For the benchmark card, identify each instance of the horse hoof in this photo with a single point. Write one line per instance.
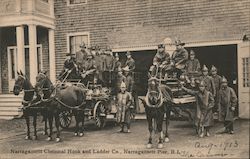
(49, 138)
(81, 134)
(58, 139)
(75, 134)
(149, 146)
(27, 137)
(166, 139)
(160, 146)
(34, 138)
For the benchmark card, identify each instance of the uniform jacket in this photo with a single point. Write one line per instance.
(226, 100)
(209, 83)
(109, 63)
(180, 58)
(130, 63)
(81, 58)
(99, 62)
(129, 83)
(69, 64)
(123, 104)
(162, 58)
(217, 82)
(193, 66)
(205, 103)
(117, 65)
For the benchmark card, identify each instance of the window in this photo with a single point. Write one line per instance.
(75, 40)
(47, 1)
(246, 74)
(76, 2)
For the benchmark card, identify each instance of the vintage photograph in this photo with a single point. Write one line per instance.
(124, 79)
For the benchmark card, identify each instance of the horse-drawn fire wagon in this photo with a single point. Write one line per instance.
(99, 101)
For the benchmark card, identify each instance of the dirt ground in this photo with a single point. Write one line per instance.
(108, 143)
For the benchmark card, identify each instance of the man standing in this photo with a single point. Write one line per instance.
(130, 62)
(179, 57)
(89, 68)
(109, 60)
(209, 82)
(130, 66)
(117, 62)
(193, 64)
(124, 99)
(227, 101)
(205, 103)
(81, 56)
(217, 83)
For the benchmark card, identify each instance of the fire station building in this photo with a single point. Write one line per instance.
(37, 34)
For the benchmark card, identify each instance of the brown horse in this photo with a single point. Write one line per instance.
(31, 106)
(157, 103)
(59, 99)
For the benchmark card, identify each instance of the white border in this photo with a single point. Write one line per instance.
(76, 34)
(71, 5)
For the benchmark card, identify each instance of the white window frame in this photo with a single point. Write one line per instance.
(68, 3)
(76, 34)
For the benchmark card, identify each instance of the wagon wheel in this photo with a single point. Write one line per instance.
(65, 118)
(100, 114)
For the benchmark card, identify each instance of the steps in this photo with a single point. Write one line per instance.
(10, 106)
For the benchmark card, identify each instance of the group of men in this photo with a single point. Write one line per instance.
(211, 90)
(89, 64)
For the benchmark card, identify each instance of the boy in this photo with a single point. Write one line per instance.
(124, 100)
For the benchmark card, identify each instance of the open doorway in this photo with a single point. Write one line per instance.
(143, 61)
(223, 57)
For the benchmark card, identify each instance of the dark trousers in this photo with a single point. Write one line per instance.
(229, 125)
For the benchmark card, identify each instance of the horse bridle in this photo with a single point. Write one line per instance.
(160, 97)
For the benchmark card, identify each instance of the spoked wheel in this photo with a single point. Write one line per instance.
(65, 119)
(100, 115)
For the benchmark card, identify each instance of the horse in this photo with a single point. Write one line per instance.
(70, 98)
(157, 103)
(30, 104)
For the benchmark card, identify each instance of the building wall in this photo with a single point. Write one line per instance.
(133, 23)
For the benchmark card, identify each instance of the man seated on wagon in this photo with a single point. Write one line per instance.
(179, 57)
(161, 62)
(124, 100)
(69, 66)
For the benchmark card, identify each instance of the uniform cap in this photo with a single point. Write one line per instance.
(224, 80)
(201, 84)
(161, 46)
(192, 52)
(213, 68)
(82, 45)
(123, 85)
(178, 42)
(204, 68)
(128, 53)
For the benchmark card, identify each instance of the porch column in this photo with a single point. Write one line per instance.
(52, 61)
(33, 53)
(20, 48)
